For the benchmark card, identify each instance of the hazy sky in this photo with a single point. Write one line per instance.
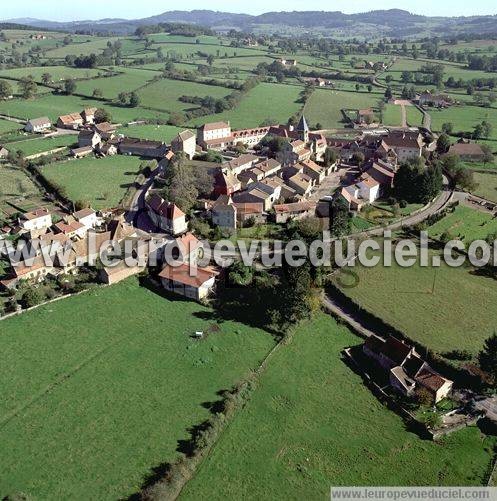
(63, 10)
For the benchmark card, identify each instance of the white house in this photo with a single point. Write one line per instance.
(186, 143)
(36, 220)
(223, 212)
(189, 281)
(87, 217)
(38, 124)
(216, 135)
(369, 189)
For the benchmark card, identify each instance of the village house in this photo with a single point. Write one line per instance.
(254, 195)
(71, 121)
(185, 142)
(272, 189)
(110, 275)
(88, 138)
(214, 136)
(105, 129)
(166, 215)
(88, 115)
(294, 152)
(250, 137)
(435, 100)
(406, 145)
(314, 171)
(301, 183)
(108, 149)
(87, 217)
(268, 167)
(71, 229)
(248, 211)
(142, 147)
(382, 172)
(288, 62)
(38, 220)
(241, 163)
(188, 281)
(297, 210)
(81, 152)
(223, 213)
(4, 152)
(225, 182)
(468, 152)
(408, 372)
(41, 124)
(318, 145)
(351, 194)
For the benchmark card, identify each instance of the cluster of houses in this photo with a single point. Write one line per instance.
(382, 155)
(407, 372)
(77, 240)
(251, 185)
(434, 100)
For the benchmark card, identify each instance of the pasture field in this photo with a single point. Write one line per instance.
(202, 39)
(8, 126)
(15, 185)
(454, 70)
(154, 132)
(414, 116)
(94, 46)
(325, 106)
(57, 73)
(53, 106)
(100, 181)
(392, 115)
(128, 81)
(312, 423)
(430, 305)
(487, 185)
(466, 224)
(41, 144)
(164, 94)
(197, 51)
(100, 388)
(464, 118)
(265, 101)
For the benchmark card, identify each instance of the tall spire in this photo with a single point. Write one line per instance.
(302, 125)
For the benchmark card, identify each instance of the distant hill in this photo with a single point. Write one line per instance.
(379, 23)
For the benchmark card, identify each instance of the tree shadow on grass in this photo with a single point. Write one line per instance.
(186, 447)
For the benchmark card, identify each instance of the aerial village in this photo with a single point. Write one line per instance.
(254, 184)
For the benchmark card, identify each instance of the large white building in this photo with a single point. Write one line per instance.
(216, 135)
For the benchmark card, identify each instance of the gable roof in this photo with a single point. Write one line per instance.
(184, 135)
(35, 214)
(215, 126)
(71, 118)
(187, 275)
(39, 121)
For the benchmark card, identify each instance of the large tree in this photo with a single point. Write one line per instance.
(488, 357)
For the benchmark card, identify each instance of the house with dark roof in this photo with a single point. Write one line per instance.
(142, 147)
(166, 215)
(408, 372)
(469, 152)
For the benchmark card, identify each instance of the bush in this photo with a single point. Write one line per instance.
(32, 297)
(402, 204)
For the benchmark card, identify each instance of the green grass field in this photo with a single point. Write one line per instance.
(414, 116)
(164, 94)
(487, 185)
(392, 115)
(311, 424)
(8, 126)
(324, 106)
(95, 46)
(464, 118)
(130, 80)
(15, 185)
(55, 105)
(57, 72)
(98, 389)
(465, 223)
(38, 145)
(100, 181)
(434, 307)
(266, 101)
